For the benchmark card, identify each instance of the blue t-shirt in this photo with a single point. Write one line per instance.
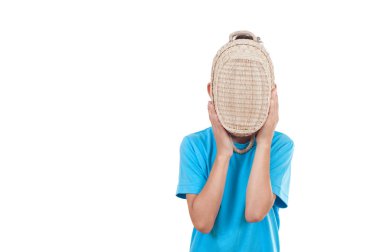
(231, 232)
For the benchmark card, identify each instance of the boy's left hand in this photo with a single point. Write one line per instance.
(265, 134)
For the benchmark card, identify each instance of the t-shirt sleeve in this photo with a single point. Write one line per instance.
(280, 171)
(192, 170)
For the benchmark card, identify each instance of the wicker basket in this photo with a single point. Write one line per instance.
(242, 78)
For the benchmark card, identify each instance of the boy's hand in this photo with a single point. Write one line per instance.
(223, 139)
(265, 134)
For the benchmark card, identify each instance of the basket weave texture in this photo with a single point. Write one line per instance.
(242, 78)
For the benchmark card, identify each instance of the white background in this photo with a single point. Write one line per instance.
(95, 97)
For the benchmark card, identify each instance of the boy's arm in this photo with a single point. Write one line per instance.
(259, 195)
(204, 207)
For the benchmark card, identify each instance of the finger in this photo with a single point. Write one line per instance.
(270, 104)
(211, 108)
(210, 112)
(273, 93)
(213, 115)
(270, 107)
(276, 98)
(276, 104)
(273, 104)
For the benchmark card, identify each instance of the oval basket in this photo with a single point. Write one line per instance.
(242, 78)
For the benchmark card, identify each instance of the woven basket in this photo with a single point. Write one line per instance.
(242, 78)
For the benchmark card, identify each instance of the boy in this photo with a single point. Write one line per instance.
(233, 199)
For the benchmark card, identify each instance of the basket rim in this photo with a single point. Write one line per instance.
(258, 48)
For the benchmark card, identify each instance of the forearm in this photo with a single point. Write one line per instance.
(259, 196)
(206, 205)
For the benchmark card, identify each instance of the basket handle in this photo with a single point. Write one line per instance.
(247, 148)
(245, 33)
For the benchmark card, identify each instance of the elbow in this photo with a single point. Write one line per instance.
(204, 230)
(254, 216)
(204, 227)
(257, 213)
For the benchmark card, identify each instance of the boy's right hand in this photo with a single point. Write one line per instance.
(223, 139)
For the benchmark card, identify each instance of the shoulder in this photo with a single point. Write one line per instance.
(199, 137)
(281, 136)
(281, 139)
(199, 143)
(196, 146)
